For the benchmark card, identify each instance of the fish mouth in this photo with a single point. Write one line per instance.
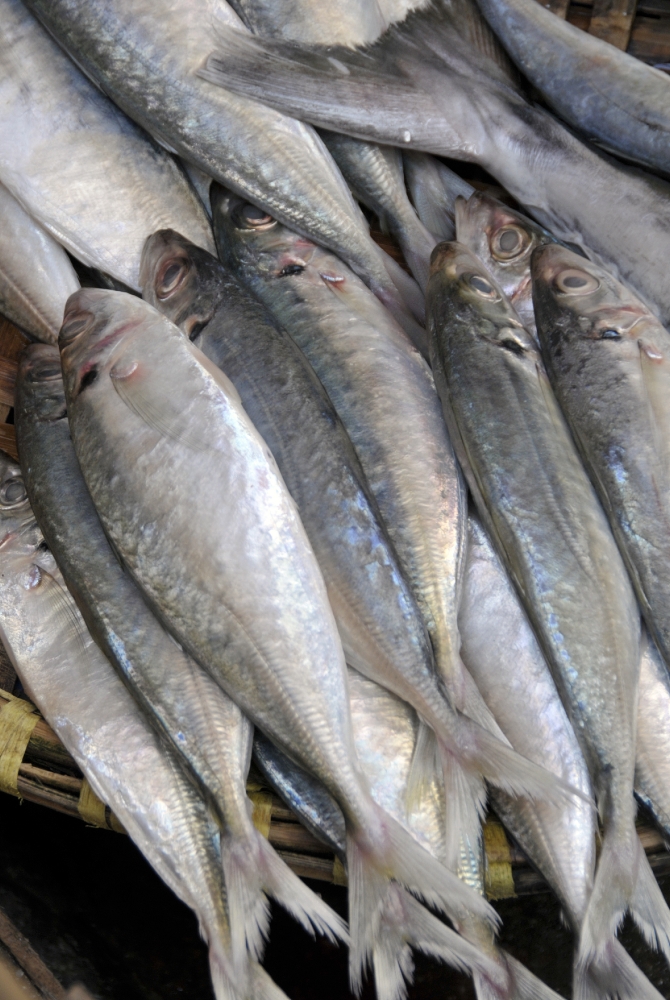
(443, 254)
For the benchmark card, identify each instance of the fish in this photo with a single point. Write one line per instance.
(85, 173)
(375, 175)
(275, 161)
(434, 188)
(203, 726)
(168, 452)
(381, 389)
(438, 83)
(544, 517)
(652, 781)
(356, 22)
(613, 99)
(36, 276)
(608, 358)
(385, 734)
(501, 651)
(504, 241)
(376, 614)
(97, 720)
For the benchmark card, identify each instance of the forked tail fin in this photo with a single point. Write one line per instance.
(624, 882)
(381, 918)
(613, 975)
(252, 869)
(518, 983)
(259, 985)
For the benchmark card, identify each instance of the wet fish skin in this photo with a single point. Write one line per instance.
(431, 85)
(203, 726)
(608, 358)
(434, 188)
(88, 707)
(547, 524)
(502, 654)
(241, 590)
(504, 241)
(145, 56)
(375, 175)
(652, 780)
(309, 290)
(376, 614)
(90, 177)
(613, 98)
(36, 277)
(309, 800)
(355, 22)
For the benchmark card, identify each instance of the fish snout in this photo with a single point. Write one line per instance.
(441, 256)
(40, 363)
(160, 244)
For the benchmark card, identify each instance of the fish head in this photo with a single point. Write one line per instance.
(39, 387)
(18, 528)
(181, 280)
(504, 240)
(267, 251)
(103, 334)
(583, 308)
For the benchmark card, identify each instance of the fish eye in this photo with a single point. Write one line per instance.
(480, 285)
(170, 278)
(291, 269)
(573, 281)
(610, 335)
(12, 492)
(509, 242)
(251, 217)
(47, 370)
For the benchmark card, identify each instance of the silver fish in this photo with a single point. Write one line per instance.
(88, 707)
(81, 169)
(652, 780)
(434, 188)
(375, 175)
(437, 83)
(375, 610)
(546, 522)
(205, 729)
(608, 359)
(36, 276)
(275, 161)
(504, 241)
(168, 452)
(385, 731)
(385, 395)
(503, 655)
(613, 98)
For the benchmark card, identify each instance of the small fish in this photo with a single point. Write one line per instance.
(205, 729)
(608, 358)
(36, 276)
(545, 519)
(168, 453)
(504, 241)
(652, 775)
(81, 169)
(88, 707)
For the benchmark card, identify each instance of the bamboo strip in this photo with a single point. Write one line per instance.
(31, 963)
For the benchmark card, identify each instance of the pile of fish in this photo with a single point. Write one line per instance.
(404, 538)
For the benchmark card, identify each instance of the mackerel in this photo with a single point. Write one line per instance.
(205, 729)
(434, 188)
(168, 453)
(376, 614)
(94, 716)
(608, 358)
(549, 528)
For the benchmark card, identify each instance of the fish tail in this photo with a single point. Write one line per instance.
(252, 871)
(515, 982)
(386, 921)
(624, 881)
(465, 796)
(416, 244)
(504, 768)
(613, 975)
(263, 987)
